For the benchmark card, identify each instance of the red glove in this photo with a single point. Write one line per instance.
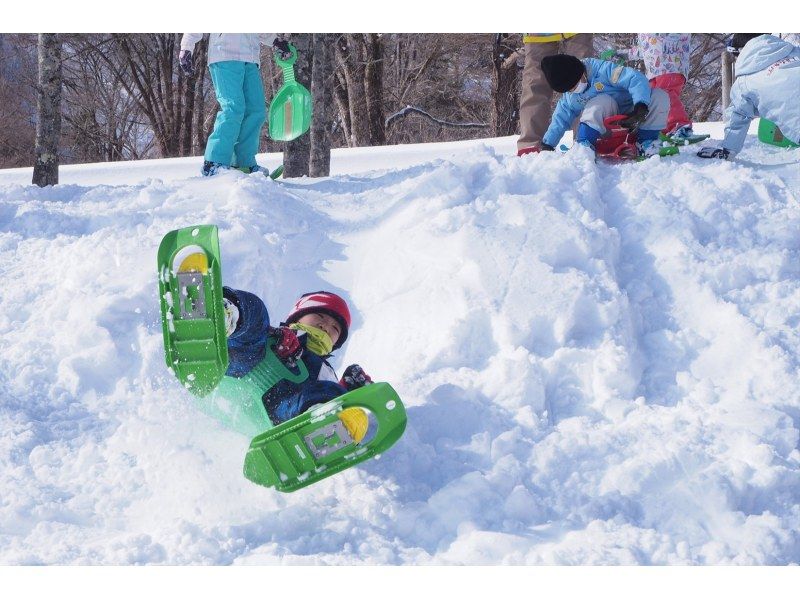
(287, 345)
(354, 377)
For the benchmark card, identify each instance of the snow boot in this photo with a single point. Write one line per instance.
(212, 168)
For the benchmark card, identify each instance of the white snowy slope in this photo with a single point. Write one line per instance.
(600, 363)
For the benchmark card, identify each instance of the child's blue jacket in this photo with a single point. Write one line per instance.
(247, 346)
(626, 85)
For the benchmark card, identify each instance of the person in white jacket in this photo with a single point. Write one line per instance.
(233, 59)
(767, 83)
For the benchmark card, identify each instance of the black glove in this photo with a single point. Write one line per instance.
(354, 377)
(714, 152)
(547, 147)
(185, 61)
(282, 48)
(635, 118)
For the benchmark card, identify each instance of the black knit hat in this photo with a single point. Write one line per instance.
(562, 71)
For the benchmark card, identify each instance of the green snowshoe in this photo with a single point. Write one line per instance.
(320, 442)
(192, 317)
(680, 141)
(769, 133)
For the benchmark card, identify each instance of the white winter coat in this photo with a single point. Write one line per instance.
(768, 85)
(245, 47)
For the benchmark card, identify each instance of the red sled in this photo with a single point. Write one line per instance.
(617, 142)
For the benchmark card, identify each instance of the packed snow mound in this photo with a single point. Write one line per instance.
(600, 363)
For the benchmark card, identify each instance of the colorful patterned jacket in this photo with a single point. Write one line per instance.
(662, 53)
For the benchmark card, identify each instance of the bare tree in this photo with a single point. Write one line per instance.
(505, 85)
(351, 60)
(203, 117)
(322, 78)
(146, 66)
(18, 72)
(373, 87)
(101, 121)
(727, 79)
(297, 155)
(445, 76)
(48, 110)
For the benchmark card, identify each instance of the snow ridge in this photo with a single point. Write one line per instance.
(600, 365)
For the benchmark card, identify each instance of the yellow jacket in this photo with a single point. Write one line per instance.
(543, 38)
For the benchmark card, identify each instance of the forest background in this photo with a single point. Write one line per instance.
(123, 96)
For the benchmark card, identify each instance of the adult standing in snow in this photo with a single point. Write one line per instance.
(233, 59)
(666, 65)
(767, 82)
(534, 107)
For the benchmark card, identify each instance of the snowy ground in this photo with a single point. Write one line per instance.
(600, 363)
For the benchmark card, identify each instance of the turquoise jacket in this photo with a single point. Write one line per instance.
(626, 85)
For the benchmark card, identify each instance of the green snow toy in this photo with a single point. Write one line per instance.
(317, 444)
(290, 109)
(769, 133)
(192, 317)
(325, 440)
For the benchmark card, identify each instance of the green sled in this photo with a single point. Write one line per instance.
(316, 444)
(290, 109)
(769, 133)
(192, 316)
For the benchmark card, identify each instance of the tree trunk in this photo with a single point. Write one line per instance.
(340, 99)
(505, 89)
(322, 95)
(373, 83)
(727, 80)
(48, 110)
(352, 60)
(201, 64)
(297, 155)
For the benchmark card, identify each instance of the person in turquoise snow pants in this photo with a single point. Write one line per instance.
(233, 60)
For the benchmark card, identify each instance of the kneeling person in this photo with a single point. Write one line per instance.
(596, 89)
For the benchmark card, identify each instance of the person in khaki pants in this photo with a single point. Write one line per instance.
(534, 109)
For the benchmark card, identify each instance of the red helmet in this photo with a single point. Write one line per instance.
(323, 302)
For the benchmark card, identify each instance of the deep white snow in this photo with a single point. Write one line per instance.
(600, 363)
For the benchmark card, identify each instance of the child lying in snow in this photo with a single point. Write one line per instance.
(316, 326)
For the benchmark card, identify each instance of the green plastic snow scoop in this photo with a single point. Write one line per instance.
(316, 444)
(192, 316)
(768, 132)
(290, 109)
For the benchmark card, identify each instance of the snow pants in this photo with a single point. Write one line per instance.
(242, 112)
(602, 106)
(534, 106)
(673, 84)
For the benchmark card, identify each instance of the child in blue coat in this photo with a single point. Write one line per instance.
(317, 325)
(596, 89)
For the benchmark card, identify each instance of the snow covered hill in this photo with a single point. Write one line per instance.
(600, 363)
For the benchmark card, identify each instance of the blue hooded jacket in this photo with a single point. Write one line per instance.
(247, 347)
(768, 85)
(626, 85)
